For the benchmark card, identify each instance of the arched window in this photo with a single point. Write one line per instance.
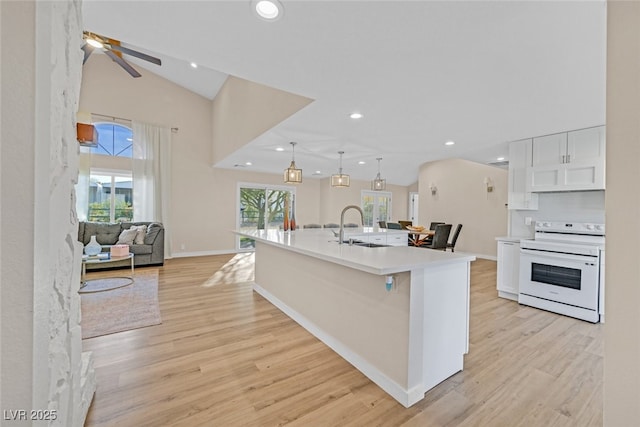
(113, 140)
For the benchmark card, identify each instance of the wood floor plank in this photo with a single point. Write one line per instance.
(224, 356)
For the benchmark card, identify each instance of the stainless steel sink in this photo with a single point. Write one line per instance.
(361, 243)
(371, 245)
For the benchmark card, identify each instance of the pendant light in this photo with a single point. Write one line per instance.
(340, 179)
(291, 174)
(378, 184)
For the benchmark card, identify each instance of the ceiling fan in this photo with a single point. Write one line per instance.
(114, 50)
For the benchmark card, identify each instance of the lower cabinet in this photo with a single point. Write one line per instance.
(508, 274)
(383, 238)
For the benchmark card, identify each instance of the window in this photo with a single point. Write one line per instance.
(260, 207)
(113, 140)
(110, 180)
(110, 196)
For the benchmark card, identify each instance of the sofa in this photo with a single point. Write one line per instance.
(150, 252)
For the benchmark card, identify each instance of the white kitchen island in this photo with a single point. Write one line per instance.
(407, 339)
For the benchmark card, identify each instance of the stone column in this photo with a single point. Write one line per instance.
(42, 365)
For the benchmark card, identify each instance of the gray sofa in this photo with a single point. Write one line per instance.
(149, 253)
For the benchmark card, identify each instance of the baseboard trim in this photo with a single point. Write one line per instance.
(402, 395)
(204, 253)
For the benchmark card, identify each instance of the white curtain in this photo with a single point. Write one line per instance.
(152, 176)
(82, 186)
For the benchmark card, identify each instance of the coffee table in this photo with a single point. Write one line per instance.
(126, 280)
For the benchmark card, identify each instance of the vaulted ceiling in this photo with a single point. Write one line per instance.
(480, 73)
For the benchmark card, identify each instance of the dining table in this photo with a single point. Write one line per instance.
(418, 236)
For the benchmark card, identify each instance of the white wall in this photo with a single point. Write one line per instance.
(576, 206)
(204, 199)
(462, 198)
(42, 365)
(621, 339)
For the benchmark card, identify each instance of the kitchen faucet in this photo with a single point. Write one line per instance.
(341, 238)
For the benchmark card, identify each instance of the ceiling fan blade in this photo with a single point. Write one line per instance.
(137, 54)
(124, 64)
(87, 49)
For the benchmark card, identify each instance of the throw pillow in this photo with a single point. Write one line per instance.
(141, 232)
(127, 237)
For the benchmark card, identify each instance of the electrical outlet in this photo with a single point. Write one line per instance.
(527, 220)
(182, 247)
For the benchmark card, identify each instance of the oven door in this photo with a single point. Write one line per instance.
(565, 278)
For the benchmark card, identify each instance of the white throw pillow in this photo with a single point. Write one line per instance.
(127, 237)
(141, 232)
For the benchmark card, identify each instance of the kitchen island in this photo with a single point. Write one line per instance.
(400, 314)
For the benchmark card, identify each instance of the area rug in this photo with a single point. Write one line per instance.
(128, 307)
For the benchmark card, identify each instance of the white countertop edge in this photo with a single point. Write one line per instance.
(454, 258)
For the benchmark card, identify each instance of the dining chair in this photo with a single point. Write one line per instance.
(382, 224)
(440, 237)
(332, 225)
(351, 225)
(394, 226)
(405, 224)
(454, 239)
(312, 226)
(432, 226)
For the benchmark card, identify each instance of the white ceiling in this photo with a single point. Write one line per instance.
(480, 73)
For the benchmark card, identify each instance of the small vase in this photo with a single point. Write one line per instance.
(285, 221)
(292, 220)
(93, 247)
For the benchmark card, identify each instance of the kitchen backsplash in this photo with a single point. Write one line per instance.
(576, 206)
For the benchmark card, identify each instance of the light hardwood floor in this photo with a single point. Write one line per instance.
(224, 356)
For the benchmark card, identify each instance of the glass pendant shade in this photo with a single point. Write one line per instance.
(292, 175)
(340, 179)
(378, 184)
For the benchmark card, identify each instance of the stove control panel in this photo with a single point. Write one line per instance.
(570, 227)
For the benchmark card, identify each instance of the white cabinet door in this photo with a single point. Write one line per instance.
(548, 157)
(585, 163)
(550, 150)
(519, 161)
(508, 273)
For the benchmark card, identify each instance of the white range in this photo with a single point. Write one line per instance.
(560, 270)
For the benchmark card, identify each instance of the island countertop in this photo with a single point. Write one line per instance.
(322, 244)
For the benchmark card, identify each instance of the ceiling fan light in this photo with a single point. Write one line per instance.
(95, 43)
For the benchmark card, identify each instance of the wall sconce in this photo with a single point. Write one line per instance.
(489, 183)
(433, 188)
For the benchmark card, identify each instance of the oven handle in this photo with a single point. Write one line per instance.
(586, 259)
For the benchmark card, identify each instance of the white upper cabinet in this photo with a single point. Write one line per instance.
(520, 153)
(568, 161)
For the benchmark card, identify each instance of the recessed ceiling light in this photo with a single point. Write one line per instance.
(356, 115)
(449, 143)
(317, 173)
(248, 163)
(362, 162)
(500, 159)
(279, 149)
(194, 65)
(268, 9)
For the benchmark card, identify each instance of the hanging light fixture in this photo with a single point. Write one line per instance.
(340, 179)
(291, 174)
(378, 184)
